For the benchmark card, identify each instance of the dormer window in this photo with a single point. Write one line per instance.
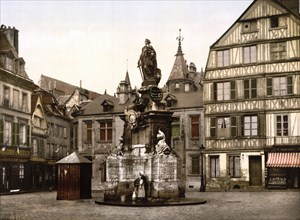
(107, 105)
(170, 100)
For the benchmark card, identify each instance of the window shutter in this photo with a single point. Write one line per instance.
(289, 80)
(253, 88)
(269, 86)
(242, 126)
(28, 135)
(14, 135)
(17, 134)
(232, 90)
(212, 127)
(261, 125)
(213, 95)
(233, 126)
(1, 131)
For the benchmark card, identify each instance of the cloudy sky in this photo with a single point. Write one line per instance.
(98, 41)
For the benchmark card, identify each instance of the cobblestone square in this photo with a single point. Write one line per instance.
(220, 205)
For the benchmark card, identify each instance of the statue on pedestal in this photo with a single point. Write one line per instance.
(148, 65)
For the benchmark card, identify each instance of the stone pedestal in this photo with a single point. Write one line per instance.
(160, 170)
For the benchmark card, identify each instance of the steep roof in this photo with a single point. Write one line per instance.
(179, 69)
(95, 107)
(186, 99)
(47, 83)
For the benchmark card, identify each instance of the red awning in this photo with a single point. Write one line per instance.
(283, 159)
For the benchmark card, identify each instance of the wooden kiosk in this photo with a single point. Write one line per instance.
(74, 177)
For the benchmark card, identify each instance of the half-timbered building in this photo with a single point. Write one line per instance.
(252, 100)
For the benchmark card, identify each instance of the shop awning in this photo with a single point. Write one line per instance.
(283, 159)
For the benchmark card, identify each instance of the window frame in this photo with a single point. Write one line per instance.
(195, 126)
(270, 86)
(89, 131)
(234, 166)
(251, 56)
(105, 131)
(223, 58)
(251, 124)
(195, 164)
(282, 126)
(250, 88)
(278, 51)
(214, 162)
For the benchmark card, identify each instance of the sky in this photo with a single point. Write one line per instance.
(97, 42)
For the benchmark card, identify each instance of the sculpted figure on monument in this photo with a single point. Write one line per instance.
(148, 64)
(162, 147)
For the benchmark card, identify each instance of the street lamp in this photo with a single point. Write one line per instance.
(202, 187)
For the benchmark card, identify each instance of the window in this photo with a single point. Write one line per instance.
(222, 58)
(250, 88)
(282, 125)
(7, 132)
(250, 125)
(22, 134)
(195, 126)
(105, 131)
(249, 26)
(16, 99)
(278, 51)
(21, 171)
(223, 127)
(6, 96)
(175, 127)
(65, 132)
(195, 164)
(279, 86)
(249, 54)
(24, 102)
(89, 127)
(234, 166)
(214, 166)
(274, 22)
(35, 147)
(224, 91)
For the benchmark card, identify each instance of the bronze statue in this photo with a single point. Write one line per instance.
(148, 64)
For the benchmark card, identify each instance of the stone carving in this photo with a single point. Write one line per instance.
(162, 147)
(148, 64)
(117, 150)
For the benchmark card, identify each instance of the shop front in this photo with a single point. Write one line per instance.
(14, 169)
(283, 170)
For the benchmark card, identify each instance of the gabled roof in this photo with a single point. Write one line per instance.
(73, 158)
(246, 14)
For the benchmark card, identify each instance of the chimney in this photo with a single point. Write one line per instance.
(12, 36)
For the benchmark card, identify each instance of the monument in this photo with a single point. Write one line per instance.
(144, 159)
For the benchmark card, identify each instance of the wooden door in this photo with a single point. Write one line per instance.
(255, 171)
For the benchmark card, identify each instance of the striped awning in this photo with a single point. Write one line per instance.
(283, 159)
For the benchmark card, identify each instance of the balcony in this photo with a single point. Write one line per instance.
(283, 141)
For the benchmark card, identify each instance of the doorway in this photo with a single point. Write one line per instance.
(255, 171)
